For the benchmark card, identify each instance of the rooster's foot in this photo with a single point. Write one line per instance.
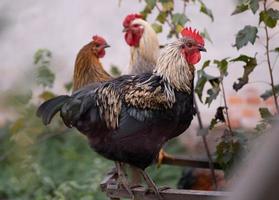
(151, 185)
(123, 181)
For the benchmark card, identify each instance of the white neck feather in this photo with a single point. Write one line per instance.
(172, 66)
(144, 57)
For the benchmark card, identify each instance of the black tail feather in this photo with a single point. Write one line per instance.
(48, 109)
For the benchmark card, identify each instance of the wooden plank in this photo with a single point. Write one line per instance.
(169, 194)
(110, 187)
(186, 161)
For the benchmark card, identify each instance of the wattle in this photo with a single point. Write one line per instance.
(101, 53)
(193, 58)
(132, 39)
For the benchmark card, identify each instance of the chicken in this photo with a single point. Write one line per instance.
(142, 39)
(88, 68)
(128, 119)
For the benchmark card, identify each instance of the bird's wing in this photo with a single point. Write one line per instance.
(147, 96)
(144, 96)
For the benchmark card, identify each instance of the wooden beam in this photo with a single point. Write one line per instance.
(169, 194)
(186, 161)
(111, 188)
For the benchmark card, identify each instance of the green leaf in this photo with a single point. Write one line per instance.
(254, 5)
(157, 27)
(247, 34)
(203, 77)
(179, 19)
(269, 93)
(167, 5)
(45, 76)
(213, 92)
(145, 12)
(265, 114)
(229, 150)
(68, 86)
(245, 5)
(219, 117)
(205, 64)
(42, 55)
(240, 8)
(250, 64)
(206, 35)
(200, 83)
(114, 70)
(269, 17)
(150, 3)
(206, 10)
(222, 65)
(46, 95)
(162, 17)
(276, 50)
(274, 14)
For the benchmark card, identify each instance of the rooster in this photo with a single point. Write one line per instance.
(144, 51)
(128, 119)
(142, 39)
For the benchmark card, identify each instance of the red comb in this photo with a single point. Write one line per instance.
(129, 18)
(99, 39)
(194, 34)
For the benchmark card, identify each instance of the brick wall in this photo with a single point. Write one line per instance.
(244, 107)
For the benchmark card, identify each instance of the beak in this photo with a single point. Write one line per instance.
(106, 46)
(125, 29)
(201, 48)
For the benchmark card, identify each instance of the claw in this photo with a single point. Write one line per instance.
(122, 180)
(151, 185)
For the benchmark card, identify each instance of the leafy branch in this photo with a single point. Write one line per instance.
(269, 17)
(273, 17)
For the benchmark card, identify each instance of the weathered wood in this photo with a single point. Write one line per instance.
(186, 161)
(111, 188)
(169, 194)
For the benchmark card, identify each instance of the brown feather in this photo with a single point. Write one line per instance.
(88, 68)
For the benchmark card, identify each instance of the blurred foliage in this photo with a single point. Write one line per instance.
(268, 93)
(167, 13)
(45, 76)
(115, 71)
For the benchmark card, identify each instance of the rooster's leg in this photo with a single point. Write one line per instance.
(151, 185)
(122, 180)
(136, 177)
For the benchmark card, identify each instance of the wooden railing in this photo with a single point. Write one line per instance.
(110, 187)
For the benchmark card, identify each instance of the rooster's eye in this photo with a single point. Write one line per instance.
(183, 46)
(189, 45)
(97, 45)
